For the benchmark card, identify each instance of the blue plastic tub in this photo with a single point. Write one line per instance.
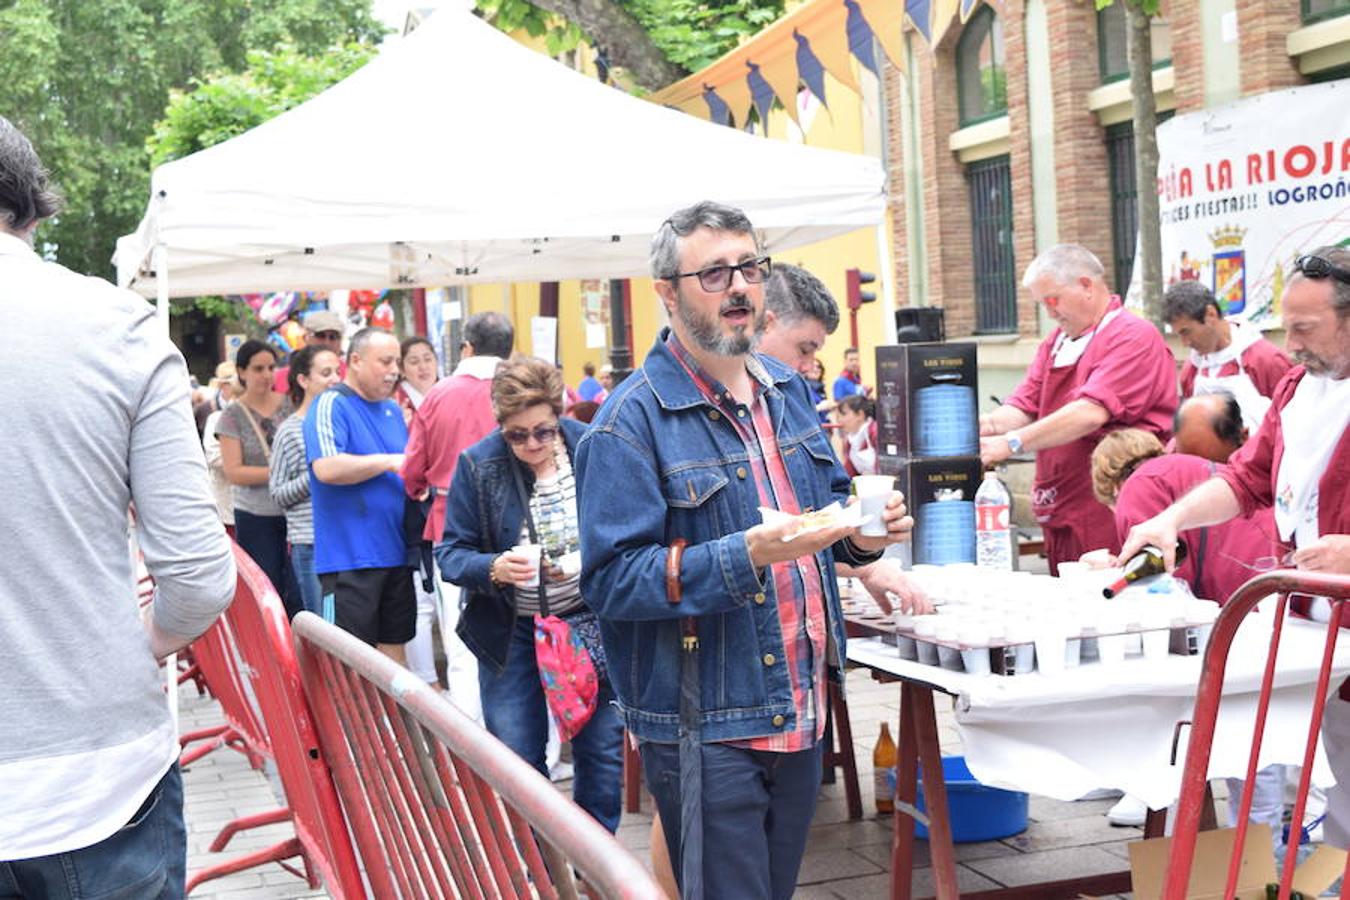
(977, 813)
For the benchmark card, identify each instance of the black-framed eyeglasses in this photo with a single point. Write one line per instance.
(1319, 267)
(718, 278)
(543, 434)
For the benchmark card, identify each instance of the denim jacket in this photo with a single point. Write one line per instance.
(483, 518)
(658, 463)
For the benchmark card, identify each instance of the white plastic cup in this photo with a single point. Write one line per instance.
(948, 657)
(975, 652)
(1050, 644)
(924, 629)
(1155, 636)
(1111, 649)
(1073, 653)
(874, 491)
(534, 552)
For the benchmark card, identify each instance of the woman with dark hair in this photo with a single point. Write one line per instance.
(516, 487)
(313, 370)
(859, 430)
(417, 373)
(246, 430)
(815, 382)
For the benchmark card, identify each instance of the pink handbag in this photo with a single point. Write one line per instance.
(566, 672)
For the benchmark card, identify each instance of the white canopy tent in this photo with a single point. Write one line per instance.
(459, 156)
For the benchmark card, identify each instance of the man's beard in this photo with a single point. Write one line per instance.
(707, 333)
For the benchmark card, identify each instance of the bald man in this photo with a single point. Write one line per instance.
(1210, 426)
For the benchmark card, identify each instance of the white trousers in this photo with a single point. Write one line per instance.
(421, 655)
(461, 666)
(1336, 741)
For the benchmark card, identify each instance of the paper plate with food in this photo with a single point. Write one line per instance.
(832, 516)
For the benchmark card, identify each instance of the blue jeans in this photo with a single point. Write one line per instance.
(302, 563)
(264, 539)
(146, 858)
(757, 809)
(515, 711)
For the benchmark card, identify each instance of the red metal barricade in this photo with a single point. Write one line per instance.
(252, 643)
(1204, 721)
(438, 806)
(216, 657)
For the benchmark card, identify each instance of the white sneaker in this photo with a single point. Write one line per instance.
(1102, 794)
(1127, 811)
(561, 771)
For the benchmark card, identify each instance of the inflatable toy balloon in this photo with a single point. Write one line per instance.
(293, 333)
(277, 308)
(275, 339)
(383, 317)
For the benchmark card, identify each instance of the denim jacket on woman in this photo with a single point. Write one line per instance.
(658, 463)
(483, 517)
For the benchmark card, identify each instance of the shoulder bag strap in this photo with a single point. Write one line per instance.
(534, 535)
(252, 420)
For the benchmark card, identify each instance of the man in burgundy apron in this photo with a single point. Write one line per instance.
(1225, 355)
(1103, 368)
(1298, 465)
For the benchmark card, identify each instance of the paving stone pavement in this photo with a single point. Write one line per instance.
(844, 859)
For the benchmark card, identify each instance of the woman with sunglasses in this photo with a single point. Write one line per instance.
(516, 487)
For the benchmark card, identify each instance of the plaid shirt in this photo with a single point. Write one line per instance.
(797, 586)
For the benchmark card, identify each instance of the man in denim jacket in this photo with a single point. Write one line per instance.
(689, 447)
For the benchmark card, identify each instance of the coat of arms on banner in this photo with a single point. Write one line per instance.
(1230, 269)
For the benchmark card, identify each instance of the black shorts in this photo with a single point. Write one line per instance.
(377, 605)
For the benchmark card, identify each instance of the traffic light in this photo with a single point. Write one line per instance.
(856, 278)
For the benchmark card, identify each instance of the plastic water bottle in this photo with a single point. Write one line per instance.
(993, 524)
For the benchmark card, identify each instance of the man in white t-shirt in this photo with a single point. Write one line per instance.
(92, 798)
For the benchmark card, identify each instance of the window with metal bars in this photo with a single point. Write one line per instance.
(990, 184)
(1124, 199)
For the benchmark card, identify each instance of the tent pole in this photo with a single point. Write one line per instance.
(162, 284)
(886, 273)
(620, 342)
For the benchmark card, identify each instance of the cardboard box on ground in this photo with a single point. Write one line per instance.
(1209, 871)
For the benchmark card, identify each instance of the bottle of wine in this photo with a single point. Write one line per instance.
(883, 771)
(1148, 561)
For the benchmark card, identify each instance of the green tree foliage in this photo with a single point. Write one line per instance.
(87, 80)
(685, 35)
(231, 103)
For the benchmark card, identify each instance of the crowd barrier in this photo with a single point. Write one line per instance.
(437, 805)
(1203, 723)
(249, 663)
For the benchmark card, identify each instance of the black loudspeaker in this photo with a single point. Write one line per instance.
(920, 325)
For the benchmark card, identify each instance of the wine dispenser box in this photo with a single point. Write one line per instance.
(927, 400)
(940, 494)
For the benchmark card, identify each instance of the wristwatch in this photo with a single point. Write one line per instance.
(1014, 443)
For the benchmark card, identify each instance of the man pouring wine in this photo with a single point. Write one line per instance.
(1299, 464)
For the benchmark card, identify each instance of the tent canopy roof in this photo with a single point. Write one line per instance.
(460, 156)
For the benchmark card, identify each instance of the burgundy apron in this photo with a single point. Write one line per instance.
(1062, 497)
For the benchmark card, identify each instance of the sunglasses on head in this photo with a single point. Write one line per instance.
(542, 434)
(718, 278)
(1318, 267)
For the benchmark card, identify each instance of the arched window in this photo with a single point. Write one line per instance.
(1111, 54)
(981, 78)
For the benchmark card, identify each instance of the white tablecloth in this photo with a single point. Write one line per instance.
(1111, 727)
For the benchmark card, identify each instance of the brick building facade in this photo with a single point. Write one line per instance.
(973, 200)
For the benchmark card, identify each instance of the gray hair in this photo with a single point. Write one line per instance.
(1064, 263)
(665, 254)
(1189, 299)
(793, 294)
(489, 334)
(24, 196)
(363, 339)
(1340, 291)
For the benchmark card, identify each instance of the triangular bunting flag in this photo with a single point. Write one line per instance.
(860, 42)
(809, 68)
(718, 111)
(968, 9)
(920, 12)
(761, 92)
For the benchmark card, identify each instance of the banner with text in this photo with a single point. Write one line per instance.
(1248, 187)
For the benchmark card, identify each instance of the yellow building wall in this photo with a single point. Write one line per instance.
(840, 127)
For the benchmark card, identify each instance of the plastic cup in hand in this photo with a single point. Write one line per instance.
(534, 552)
(1050, 650)
(874, 491)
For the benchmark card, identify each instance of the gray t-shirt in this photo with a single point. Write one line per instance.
(253, 498)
